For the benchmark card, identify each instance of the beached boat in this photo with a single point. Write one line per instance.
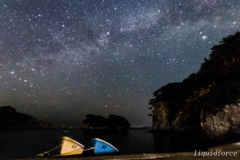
(70, 147)
(100, 146)
(66, 147)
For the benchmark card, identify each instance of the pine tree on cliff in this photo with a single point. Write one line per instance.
(222, 71)
(216, 84)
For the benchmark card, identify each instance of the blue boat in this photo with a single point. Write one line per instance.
(100, 146)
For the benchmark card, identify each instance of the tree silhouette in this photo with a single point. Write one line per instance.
(112, 122)
(216, 84)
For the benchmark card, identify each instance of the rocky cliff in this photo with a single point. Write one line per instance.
(160, 120)
(224, 122)
(207, 101)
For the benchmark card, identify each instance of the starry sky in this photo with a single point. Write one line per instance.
(63, 59)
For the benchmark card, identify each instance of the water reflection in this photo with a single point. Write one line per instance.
(29, 143)
(176, 142)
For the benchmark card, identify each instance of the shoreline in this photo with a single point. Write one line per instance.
(223, 152)
(148, 153)
(162, 156)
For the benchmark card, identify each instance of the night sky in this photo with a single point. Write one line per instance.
(63, 59)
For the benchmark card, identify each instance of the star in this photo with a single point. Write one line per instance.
(62, 56)
(204, 37)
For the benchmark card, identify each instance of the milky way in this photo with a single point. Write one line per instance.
(63, 59)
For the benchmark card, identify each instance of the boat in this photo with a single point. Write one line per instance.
(69, 147)
(66, 147)
(99, 146)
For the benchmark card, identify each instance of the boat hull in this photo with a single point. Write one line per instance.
(101, 147)
(70, 147)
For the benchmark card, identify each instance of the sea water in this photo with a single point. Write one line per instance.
(29, 143)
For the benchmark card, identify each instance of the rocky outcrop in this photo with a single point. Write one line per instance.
(160, 119)
(99, 122)
(10, 119)
(219, 125)
(224, 122)
(94, 122)
(206, 102)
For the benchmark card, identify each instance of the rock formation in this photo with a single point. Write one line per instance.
(99, 122)
(160, 119)
(224, 122)
(10, 119)
(207, 101)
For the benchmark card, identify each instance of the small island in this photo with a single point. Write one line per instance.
(11, 119)
(99, 122)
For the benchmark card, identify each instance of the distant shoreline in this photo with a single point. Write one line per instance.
(20, 129)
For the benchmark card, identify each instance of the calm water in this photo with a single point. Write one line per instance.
(28, 143)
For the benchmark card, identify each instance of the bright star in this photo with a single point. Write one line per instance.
(204, 37)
